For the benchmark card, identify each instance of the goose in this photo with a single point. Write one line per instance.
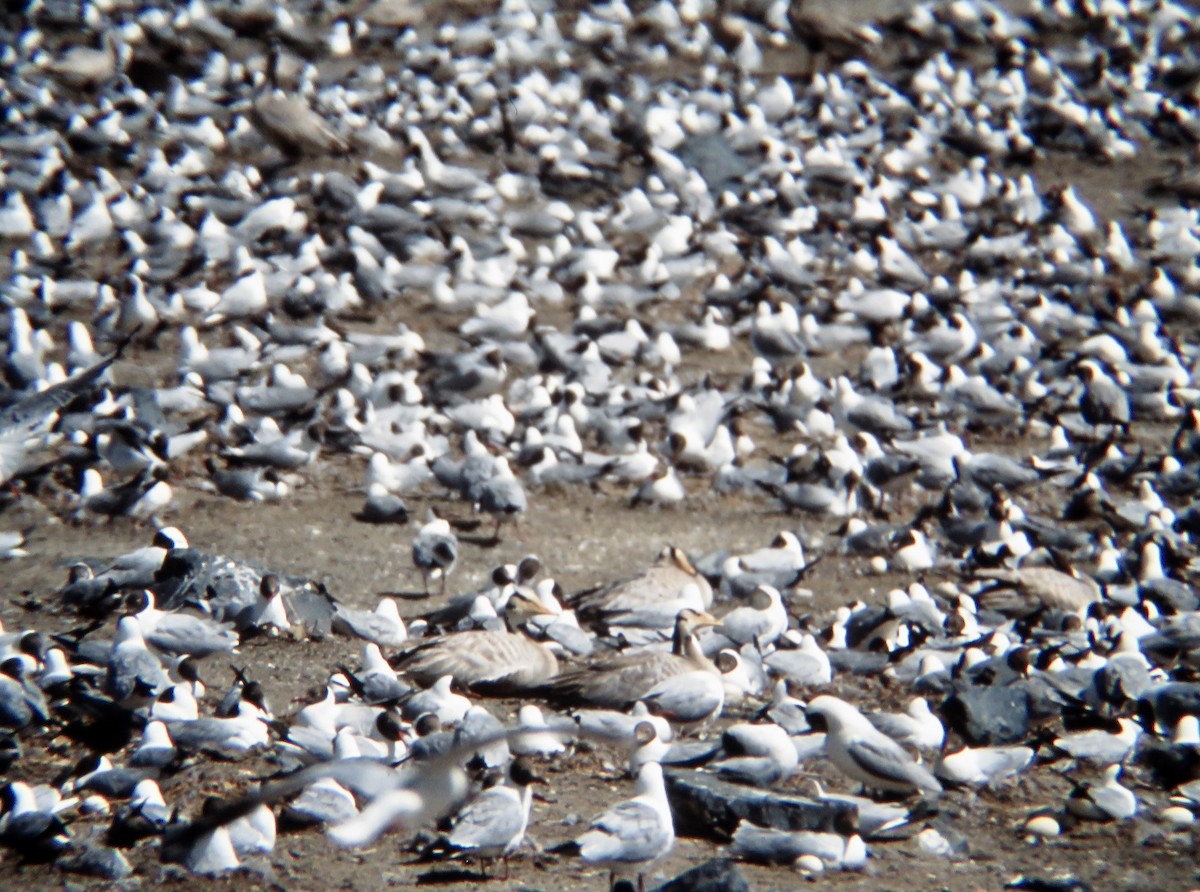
(288, 121)
(617, 681)
(486, 661)
(650, 599)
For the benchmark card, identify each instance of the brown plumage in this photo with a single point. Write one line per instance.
(1038, 588)
(824, 32)
(616, 682)
(495, 661)
(650, 599)
(293, 127)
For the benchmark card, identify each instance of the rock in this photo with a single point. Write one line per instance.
(687, 753)
(706, 806)
(714, 875)
(97, 861)
(986, 716)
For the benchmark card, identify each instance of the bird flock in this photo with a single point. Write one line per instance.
(925, 286)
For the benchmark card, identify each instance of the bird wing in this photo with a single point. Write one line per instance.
(630, 832)
(885, 759)
(481, 659)
(491, 821)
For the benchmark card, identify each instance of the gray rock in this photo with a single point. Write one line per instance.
(986, 716)
(706, 806)
(714, 875)
(97, 861)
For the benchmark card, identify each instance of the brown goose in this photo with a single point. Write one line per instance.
(618, 681)
(824, 31)
(651, 599)
(1030, 588)
(494, 661)
(288, 121)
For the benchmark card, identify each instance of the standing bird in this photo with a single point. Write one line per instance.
(825, 32)
(865, 754)
(633, 835)
(493, 824)
(502, 496)
(435, 550)
(1103, 401)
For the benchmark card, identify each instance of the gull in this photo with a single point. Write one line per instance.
(502, 496)
(917, 726)
(376, 681)
(983, 766)
(381, 506)
(1107, 801)
(382, 626)
(23, 423)
(760, 623)
(324, 801)
(439, 700)
(132, 667)
(31, 825)
(155, 749)
(635, 834)
(1104, 401)
(691, 699)
(832, 851)
(435, 550)
(212, 853)
(492, 825)
(1099, 747)
(229, 738)
(806, 665)
(865, 754)
(536, 737)
(183, 633)
(760, 755)
(146, 815)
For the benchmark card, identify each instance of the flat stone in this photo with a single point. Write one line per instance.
(706, 806)
(714, 875)
(97, 861)
(986, 716)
